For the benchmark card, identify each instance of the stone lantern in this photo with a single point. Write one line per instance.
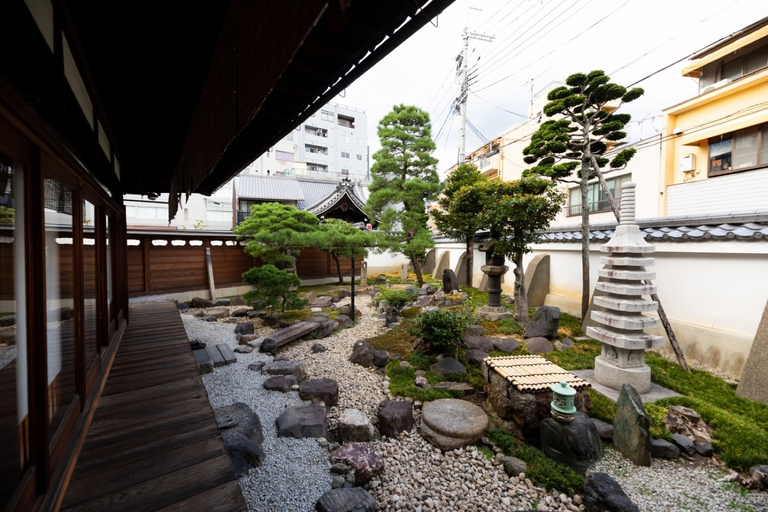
(622, 324)
(494, 268)
(562, 402)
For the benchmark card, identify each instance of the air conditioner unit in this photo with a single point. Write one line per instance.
(716, 85)
(688, 163)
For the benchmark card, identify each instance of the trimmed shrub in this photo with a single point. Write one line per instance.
(443, 328)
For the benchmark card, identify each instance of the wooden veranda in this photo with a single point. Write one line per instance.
(153, 443)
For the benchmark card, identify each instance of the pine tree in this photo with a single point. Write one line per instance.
(404, 180)
(576, 140)
(460, 206)
(341, 239)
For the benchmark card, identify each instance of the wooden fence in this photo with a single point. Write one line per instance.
(174, 261)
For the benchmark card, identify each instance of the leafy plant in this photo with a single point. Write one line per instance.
(398, 298)
(443, 328)
(273, 287)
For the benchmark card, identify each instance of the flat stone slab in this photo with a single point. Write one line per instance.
(303, 421)
(295, 368)
(322, 390)
(280, 383)
(455, 386)
(450, 423)
(656, 393)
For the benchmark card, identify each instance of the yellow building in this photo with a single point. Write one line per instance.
(715, 149)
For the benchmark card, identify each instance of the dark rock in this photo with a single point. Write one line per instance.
(270, 321)
(344, 321)
(464, 387)
(604, 430)
(239, 313)
(320, 390)
(380, 279)
(567, 342)
(601, 493)
(505, 344)
(295, 368)
(244, 328)
(476, 357)
(326, 329)
(395, 416)
(362, 354)
(474, 330)
(631, 427)
(450, 281)
(257, 314)
(198, 302)
(322, 302)
(576, 444)
(245, 339)
(544, 324)
(303, 421)
(479, 343)
(663, 449)
(422, 301)
(392, 315)
(539, 345)
(221, 303)
(513, 466)
(344, 293)
(256, 367)
(237, 301)
(282, 383)
(340, 469)
(686, 445)
(197, 345)
(354, 499)
(362, 458)
(380, 358)
(448, 366)
(316, 348)
(210, 318)
(282, 324)
(242, 436)
(182, 306)
(703, 448)
(337, 481)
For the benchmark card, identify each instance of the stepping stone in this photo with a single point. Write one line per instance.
(395, 416)
(203, 361)
(354, 426)
(355, 499)
(219, 313)
(455, 386)
(280, 383)
(321, 390)
(215, 355)
(449, 423)
(282, 337)
(362, 458)
(226, 353)
(303, 421)
(295, 368)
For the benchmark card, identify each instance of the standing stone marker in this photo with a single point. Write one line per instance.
(753, 383)
(631, 427)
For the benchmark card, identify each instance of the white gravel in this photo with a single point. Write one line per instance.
(418, 477)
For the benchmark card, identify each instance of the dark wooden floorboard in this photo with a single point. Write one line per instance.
(153, 443)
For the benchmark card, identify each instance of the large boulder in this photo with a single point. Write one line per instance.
(392, 315)
(448, 366)
(505, 344)
(479, 343)
(240, 313)
(450, 423)
(545, 323)
(450, 281)
(362, 354)
(663, 449)
(685, 444)
(362, 458)
(303, 421)
(395, 416)
(476, 357)
(320, 390)
(601, 492)
(242, 436)
(631, 427)
(355, 499)
(344, 321)
(575, 444)
(244, 328)
(295, 368)
(326, 329)
(198, 302)
(539, 345)
(282, 383)
(354, 426)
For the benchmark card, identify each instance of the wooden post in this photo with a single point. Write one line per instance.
(209, 269)
(146, 244)
(352, 297)
(669, 331)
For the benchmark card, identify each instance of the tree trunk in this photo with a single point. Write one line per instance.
(470, 258)
(521, 297)
(585, 284)
(606, 190)
(416, 268)
(338, 267)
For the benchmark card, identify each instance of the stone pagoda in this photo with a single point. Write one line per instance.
(620, 314)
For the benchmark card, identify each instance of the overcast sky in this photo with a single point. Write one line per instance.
(537, 42)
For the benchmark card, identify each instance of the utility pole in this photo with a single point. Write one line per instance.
(461, 101)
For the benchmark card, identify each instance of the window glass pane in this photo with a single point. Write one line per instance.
(89, 283)
(575, 202)
(764, 146)
(284, 156)
(745, 150)
(720, 156)
(757, 59)
(14, 408)
(59, 281)
(731, 69)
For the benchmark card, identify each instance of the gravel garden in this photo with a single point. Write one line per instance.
(363, 414)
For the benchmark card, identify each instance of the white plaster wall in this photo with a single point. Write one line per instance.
(384, 262)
